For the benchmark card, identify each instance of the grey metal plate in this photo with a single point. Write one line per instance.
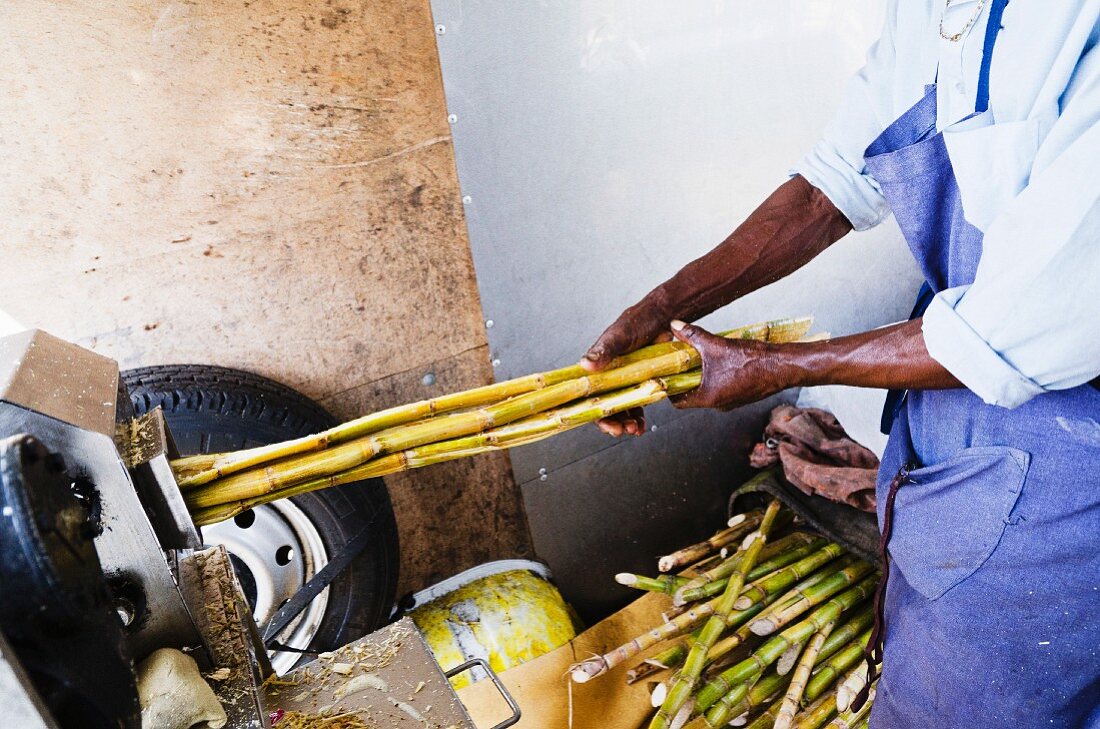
(602, 145)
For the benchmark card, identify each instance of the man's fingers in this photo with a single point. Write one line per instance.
(693, 335)
(631, 422)
(613, 342)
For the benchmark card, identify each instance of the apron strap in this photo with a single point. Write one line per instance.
(992, 30)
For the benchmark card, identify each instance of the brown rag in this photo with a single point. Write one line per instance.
(818, 457)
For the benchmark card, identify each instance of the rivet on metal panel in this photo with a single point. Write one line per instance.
(496, 363)
(489, 323)
(466, 200)
(653, 427)
(543, 475)
(452, 118)
(440, 29)
(428, 379)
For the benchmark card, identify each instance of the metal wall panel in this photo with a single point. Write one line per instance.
(600, 146)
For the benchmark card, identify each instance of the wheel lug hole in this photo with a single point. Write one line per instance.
(284, 554)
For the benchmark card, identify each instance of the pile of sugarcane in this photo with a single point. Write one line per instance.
(503, 415)
(766, 628)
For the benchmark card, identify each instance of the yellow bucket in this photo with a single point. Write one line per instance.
(504, 612)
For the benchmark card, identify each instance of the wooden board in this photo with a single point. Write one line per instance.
(267, 185)
(401, 671)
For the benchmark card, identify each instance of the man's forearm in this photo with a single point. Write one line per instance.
(790, 228)
(890, 357)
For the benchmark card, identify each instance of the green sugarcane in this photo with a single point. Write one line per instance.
(774, 556)
(770, 651)
(696, 552)
(791, 574)
(811, 597)
(852, 719)
(767, 719)
(793, 698)
(681, 689)
(688, 620)
(846, 633)
(666, 584)
(761, 692)
(826, 674)
(724, 646)
(722, 711)
(817, 714)
(698, 589)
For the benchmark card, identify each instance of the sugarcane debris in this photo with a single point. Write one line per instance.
(770, 635)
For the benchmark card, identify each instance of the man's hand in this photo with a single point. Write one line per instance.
(642, 324)
(735, 371)
(793, 225)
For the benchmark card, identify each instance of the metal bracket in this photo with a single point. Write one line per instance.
(484, 665)
(313, 587)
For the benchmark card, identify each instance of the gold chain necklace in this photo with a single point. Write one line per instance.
(955, 38)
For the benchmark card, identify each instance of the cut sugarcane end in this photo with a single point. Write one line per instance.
(763, 627)
(743, 603)
(788, 660)
(682, 716)
(749, 539)
(740, 720)
(626, 578)
(735, 520)
(587, 670)
(660, 691)
(666, 563)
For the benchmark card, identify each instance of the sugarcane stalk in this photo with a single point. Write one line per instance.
(850, 686)
(693, 666)
(817, 714)
(793, 698)
(775, 555)
(698, 551)
(811, 596)
(770, 651)
(767, 719)
(727, 644)
(670, 657)
(597, 666)
(853, 719)
(840, 638)
(791, 574)
(728, 709)
(197, 470)
(830, 670)
(722, 711)
(528, 430)
(666, 584)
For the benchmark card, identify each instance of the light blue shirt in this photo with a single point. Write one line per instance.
(1028, 172)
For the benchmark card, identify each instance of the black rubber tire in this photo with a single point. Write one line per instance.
(216, 409)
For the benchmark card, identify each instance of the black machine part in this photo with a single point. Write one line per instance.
(55, 607)
(216, 409)
(855, 530)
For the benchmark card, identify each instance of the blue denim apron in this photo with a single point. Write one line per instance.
(992, 516)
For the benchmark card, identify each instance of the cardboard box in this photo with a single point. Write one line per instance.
(545, 693)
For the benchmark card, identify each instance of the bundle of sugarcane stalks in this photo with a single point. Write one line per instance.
(766, 629)
(503, 415)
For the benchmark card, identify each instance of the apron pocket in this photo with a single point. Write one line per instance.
(950, 517)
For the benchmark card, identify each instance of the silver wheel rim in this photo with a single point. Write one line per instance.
(281, 548)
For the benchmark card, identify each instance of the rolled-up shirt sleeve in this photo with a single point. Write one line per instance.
(835, 164)
(1030, 322)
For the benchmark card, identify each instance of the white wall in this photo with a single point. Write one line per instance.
(604, 144)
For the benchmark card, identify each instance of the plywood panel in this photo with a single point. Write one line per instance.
(266, 184)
